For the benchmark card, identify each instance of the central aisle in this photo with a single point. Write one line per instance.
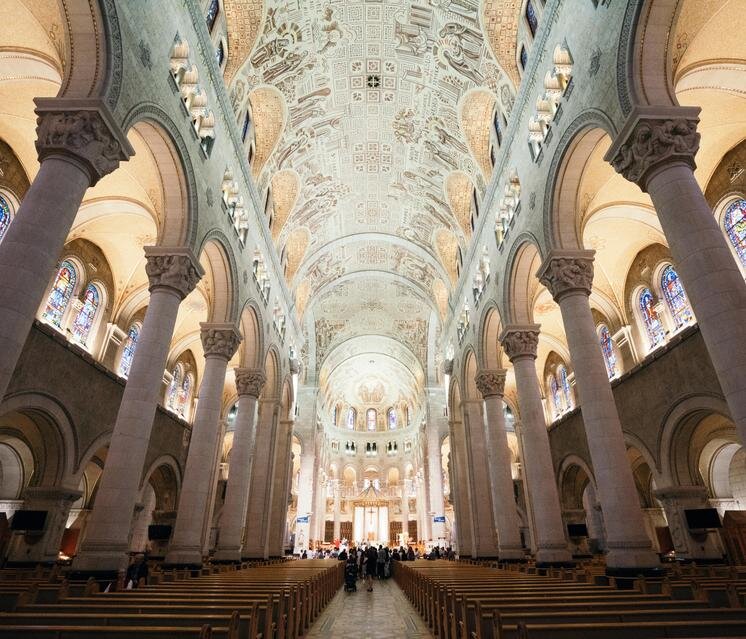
(384, 613)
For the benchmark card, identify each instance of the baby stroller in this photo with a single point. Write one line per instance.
(350, 576)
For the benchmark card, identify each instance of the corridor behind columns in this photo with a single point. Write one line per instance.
(384, 613)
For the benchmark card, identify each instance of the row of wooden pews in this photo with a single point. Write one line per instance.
(277, 601)
(459, 600)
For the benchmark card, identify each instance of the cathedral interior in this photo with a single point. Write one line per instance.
(286, 279)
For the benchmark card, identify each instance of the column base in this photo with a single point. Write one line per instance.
(101, 561)
(511, 554)
(635, 572)
(632, 558)
(102, 577)
(555, 557)
(227, 555)
(183, 558)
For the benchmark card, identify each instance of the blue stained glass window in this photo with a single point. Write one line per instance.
(392, 419)
(565, 385)
(128, 351)
(59, 297)
(5, 217)
(556, 398)
(524, 57)
(185, 393)
(351, 416)
(212, 14)
(675, 297)
(734, 223)
(653, 324)
(371, 418)
(607, 347)
(83, 321)
(173, 389)
(533, 21)
(220, 53)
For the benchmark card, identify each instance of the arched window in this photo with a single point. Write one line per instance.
(392, 419)
(554, 390)
(675, 297)
(531, 18)
(59, 297)
(212, 14)
(6, 215)
(607, 348)
(334, 414)
(371, 418)
(407, 415)
(351, 418)
(220, 53)
(734, 223)
(524, 58)
(565, 387)
(172, 399)
(83, 321)
(650, 318)
(185, 395)
(128, 351)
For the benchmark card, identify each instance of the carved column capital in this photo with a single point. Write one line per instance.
(250, 381)
(520, 341)
(177, 269)
(219, 340)
(652, 137)
(82, 130)
(490, 382)
(567, 272)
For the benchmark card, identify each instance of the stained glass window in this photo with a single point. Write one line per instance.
(334, 415)
(59, 297)
(128, 351)
(220, 53)
(370, 418)
(351, 416)
(83, 321)
(734, 223)
(245, 127)
(173, 389)
(607, 347)
(5, 216)
(533, 21)
(524, 57)
(675, 297)
(212, 14)
(555, 392)
(565, 385)
(392, 419)
(185, 394)
(652, 322)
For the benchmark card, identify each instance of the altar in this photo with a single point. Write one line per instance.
(371, 518)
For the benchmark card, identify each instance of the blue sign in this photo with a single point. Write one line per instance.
(440, 519)
(302, 520)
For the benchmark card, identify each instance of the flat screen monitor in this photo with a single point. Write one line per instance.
(28, 520)
(158, 532)
(577, 530)
(701, 518)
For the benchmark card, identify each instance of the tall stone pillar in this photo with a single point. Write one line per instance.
(256, 540)
(78, 142)
(693, 545)
(405, 509)
(173, 274)
(249, 384)
(569, 277)
(520, 343)
(219, 342)
(44, 550)
(283, 464)
(423, 519)
(305, 502)
(337, 509)
(491, 383)
(656, 150)
(435, 477)
(460, 488)
(484, 539)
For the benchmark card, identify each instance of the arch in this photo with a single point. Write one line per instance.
(164, 475)
(573, 476)
(562, 224)
(522, 285)
(272, 373)
(469, 374)
(286, 398)
(221, 268)
(178, 228)
(490, 327)
(252, 345)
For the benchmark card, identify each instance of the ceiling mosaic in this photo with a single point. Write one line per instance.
(378, 117)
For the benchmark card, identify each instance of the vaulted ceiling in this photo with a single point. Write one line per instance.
(386, 104)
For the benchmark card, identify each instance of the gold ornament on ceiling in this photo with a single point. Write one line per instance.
(270, 115)
(500, 25)
(459, 191)
(243, 20)
(285, 189)
(476, 109)
(447, 245)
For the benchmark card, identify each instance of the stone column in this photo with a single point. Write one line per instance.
(460, 488)
(337, 509)
(520, 344)
(173, 274)
(283, 464)
(256, 538)
(249, 384)
(219, 342)
(78, 143)
(569, 277)
(405, 509)
(690, 545)
(491, 383)
(305, 502)
(656, 150)
(477, 472)
(45, 548)
(437, 500)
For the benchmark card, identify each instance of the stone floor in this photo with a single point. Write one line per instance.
(384, 613)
